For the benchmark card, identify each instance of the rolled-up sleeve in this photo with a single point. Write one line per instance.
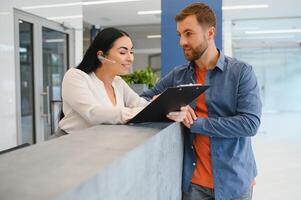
(245, 122)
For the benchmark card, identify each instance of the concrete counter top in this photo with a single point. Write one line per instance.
(102, 162)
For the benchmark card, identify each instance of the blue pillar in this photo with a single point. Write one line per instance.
(171, 52)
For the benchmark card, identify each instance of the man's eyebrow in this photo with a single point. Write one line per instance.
(186, 30)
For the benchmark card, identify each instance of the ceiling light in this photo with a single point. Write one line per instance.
(240, 7)
(66, 17)
(54, 40)
(52, 5)
(264, 37)
(149, 12)
(87, 3)
(153, 36)
(22, 50)
(274, 31)
(243, 28)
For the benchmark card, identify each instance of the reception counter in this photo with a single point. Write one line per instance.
(110, 162)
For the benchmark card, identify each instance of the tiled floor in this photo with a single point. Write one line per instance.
(277, 148)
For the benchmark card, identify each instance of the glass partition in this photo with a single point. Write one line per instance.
(272, 47)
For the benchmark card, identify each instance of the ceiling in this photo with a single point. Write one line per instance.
(278, 15)
(120, 14)
(250, 33)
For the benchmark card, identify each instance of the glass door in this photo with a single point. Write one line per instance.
(27, 82)
(55, 60)
(46, 50)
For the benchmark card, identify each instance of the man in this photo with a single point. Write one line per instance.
(218, 156)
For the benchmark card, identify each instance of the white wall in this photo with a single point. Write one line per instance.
(141, 61)
(7, 79)
(8, 104)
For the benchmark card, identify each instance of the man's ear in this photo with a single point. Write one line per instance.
(211, 32)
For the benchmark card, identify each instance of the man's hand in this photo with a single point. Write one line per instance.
(155, 97)
(186, 116)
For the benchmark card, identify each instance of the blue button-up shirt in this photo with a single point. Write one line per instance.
(234, 110)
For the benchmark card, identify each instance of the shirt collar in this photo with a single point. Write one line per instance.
(220, 62)
(191, 65)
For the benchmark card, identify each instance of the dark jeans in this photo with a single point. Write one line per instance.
(197, 192)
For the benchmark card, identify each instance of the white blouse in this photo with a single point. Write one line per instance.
(86, 103)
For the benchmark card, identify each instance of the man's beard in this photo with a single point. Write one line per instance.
(196, 53)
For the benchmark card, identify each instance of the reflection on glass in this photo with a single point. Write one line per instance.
(54, 65)
(27, 82)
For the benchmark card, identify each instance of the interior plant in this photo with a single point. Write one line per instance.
(141, 76)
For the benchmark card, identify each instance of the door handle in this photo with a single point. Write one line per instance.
(47, 115)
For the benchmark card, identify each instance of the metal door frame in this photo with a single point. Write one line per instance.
(38, 23)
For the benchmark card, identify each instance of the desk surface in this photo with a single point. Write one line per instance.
(46, 170)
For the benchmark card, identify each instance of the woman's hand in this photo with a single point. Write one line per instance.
(186, 115)
(129, 113)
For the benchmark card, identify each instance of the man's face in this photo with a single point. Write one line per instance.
(193, 38)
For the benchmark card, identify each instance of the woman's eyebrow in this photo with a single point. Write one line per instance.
(124, 47)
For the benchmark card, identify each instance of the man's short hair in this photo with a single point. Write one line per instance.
(202, 11)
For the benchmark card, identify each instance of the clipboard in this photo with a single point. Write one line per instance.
(172, 99)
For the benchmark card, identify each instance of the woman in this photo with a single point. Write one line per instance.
(94, 93)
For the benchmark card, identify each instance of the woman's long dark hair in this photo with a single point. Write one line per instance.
(103, 42)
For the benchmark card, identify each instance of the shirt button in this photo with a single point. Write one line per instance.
(193, 164)
(191, 146)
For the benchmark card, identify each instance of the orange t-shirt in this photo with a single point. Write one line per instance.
(203, 172)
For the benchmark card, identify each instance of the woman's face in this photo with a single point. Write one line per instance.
(122, 53)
